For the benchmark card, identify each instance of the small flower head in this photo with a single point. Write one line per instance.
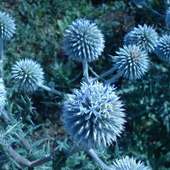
(143, 36)
(127, 163)
(131, 62)
(163, 48)
(83, 41)
(93, 115)
(27, 75)
(7, 26)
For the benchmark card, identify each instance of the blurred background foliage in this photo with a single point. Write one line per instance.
(40, 26)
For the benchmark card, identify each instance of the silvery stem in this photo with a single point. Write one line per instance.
(50, 89)
(102, 165)
(85, 70)
(1, 56)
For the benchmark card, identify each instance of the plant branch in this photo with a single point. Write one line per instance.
(50, 89)
(94, 155)
(85, 70)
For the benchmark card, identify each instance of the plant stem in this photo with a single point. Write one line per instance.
(108, 72)
(114, 78)
(50, 89)
(1, 56)
(102, 165)
(85, 70)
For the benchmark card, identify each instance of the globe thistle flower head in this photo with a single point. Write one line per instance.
(163, 48)
(7, 26)
(131, 62)
(27, 75)
(143, 36)
(127, 163)
(93, 115)
(83, 41)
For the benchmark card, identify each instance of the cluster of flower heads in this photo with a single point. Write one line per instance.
(143, 36)
(93, 115)
(131, 62)
(27, 75)
(127, 163)
(7, 26)
(83, 41)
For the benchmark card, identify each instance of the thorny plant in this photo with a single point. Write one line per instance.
(94, 115)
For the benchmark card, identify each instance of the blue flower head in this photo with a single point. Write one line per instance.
(127, 163)
(93, 115)
(83, 41)
(143, 36)
(7, 26)
(131, 62)
(163, 48)
(27, 75)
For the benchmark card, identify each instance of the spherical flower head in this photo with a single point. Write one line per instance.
(93, 115)
(7, 26)
(131, 62)
(83, 41)
(143, 36)
(127, 163)
(27, 75)
(163, 48)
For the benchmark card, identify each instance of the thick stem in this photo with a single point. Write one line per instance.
(1, 56)
(85, 70)
(50, 90)
(102, 165)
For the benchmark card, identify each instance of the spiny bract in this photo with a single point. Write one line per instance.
(127, 163)
(93, 115)
(7, 26)
(143, 36)
(83, 41)
(131, 62)
(27, 75)
(163, 48)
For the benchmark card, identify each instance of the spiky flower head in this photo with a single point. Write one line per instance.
(83, 41)
(27, 75)
(131, 62)
(93, 115)
(143, 36)
(127, 163)
(163, 48)
(7, 26)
